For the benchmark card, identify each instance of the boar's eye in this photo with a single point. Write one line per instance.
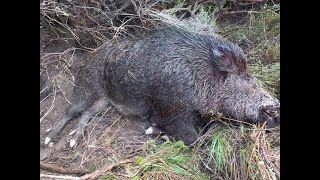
(247, 77)
(224, 74)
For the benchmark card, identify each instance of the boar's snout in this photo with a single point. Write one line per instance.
(270, 115)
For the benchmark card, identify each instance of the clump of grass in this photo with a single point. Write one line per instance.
(216, 150)
(167, 161)
(235, 152)
(268, 75)
(200, 20)
(226, 151)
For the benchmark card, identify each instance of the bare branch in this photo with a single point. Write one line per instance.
(60, 170)
(58, 177)
(104, 169)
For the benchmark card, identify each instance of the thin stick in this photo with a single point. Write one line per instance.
(240, 11)
(104, 169)
(243, 122)
(51, 107)
(60, 170)
(58, 177)
(235, 120)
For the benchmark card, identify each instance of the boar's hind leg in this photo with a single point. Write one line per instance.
(97, 107)
(70, 113)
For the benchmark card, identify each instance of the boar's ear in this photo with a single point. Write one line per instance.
(224, 61)
(226, 57)
(223, 55)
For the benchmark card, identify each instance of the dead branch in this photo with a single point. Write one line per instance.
(106, 168)
(235, 120)
(254, 1)
(60, 170)
(239, 12)
(51, 107)
(58, 177)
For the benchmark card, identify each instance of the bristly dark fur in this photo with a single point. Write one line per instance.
(169, 76)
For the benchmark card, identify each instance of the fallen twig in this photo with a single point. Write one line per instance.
(240, 11)
(51, 107)
(98, 172)
(235, 120)
(60, 170)
(58, 177)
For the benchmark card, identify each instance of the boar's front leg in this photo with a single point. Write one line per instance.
(180, 126)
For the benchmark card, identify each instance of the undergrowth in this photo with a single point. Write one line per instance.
(169, 160)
